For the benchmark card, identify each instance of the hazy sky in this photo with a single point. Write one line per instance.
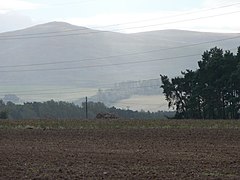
(131, 15)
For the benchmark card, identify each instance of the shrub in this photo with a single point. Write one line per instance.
(3, 115)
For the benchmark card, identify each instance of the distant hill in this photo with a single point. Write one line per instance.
(84, 55)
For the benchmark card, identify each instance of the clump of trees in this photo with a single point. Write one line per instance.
(3, 115)
(3, 111)
(210, 92)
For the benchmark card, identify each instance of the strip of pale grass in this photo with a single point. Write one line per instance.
(119, 124)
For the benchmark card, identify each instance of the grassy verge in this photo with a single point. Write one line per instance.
(119, 124)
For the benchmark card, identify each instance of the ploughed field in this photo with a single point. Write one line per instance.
(119, 149)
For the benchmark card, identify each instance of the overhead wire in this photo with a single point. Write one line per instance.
(115, 56)
(113, 88)
(116, 30)
(107, 86)
(102, 65)
(42, 92)
(132, 22)
(73, 92)
(78, 91)
(125, 54)
(123, 63)
(106, 57)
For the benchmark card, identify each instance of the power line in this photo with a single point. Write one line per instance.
(78, 91)
(102, 65)
(132, 22)
(171, 16)
(75, 83)
(112, 87)
(108, 57)
(81, 60)
(97, 32)
(73, 92)
(42, 92)
(124, 63)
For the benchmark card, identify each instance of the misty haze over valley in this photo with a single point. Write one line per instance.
(61, 61)
(119, 89)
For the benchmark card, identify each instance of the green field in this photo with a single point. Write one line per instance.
(45, 93)
(119, 124)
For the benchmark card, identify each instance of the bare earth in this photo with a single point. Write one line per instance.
(120, 154)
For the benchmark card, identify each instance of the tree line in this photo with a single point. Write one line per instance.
(64, 110)
(212, 91)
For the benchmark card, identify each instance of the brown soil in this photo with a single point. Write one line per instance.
(120, 154)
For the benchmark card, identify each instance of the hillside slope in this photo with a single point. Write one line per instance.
(60, 55)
